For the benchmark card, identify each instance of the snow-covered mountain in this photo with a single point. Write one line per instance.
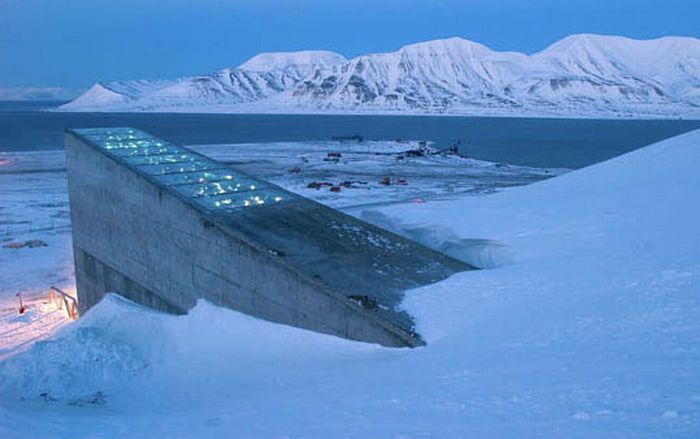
(583, 75)
(261, 77)
(296, 64)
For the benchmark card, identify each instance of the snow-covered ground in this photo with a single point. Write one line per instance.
(590, 328)
(415, 171)
(33, 205)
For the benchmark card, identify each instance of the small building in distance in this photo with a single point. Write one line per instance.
(165, 226)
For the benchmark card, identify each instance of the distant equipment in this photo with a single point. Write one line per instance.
(22, 309)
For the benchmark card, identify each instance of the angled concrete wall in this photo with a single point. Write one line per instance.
(143, 241)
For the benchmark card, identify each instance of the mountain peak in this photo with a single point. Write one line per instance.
(283, 60)
(614, 42)
(445, 45)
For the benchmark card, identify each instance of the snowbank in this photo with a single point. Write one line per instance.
(591, 330)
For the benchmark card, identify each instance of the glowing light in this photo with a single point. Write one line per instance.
(206, 182)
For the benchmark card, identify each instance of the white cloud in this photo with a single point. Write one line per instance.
(34, 93)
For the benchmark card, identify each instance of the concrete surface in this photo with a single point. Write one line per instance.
(294, 261)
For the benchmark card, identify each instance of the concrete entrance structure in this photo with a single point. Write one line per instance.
(164, 226)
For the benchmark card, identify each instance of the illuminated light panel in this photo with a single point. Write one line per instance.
(149, 150)
(162, 169)
(215, 187)
(205, 182)
(194, 177)
(107, 131)
(158, 159)
(240, 200)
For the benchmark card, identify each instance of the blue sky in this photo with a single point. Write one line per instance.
(74, 43)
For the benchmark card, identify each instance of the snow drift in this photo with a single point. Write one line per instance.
(591, 331)
(581, 75)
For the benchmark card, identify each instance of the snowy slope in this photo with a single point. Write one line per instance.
(298, 64)
(228, 86)
(664, 71)
(432, 75)
(98, 96)
(584, 74)
(590, 330)
(261, 77)
(581, 75)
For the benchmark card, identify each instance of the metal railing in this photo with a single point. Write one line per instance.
(63, 300)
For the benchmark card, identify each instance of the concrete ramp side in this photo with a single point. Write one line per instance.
(165, 226)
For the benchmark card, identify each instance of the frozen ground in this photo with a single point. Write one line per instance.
(588, 327)
(415, 172)
(33, 205)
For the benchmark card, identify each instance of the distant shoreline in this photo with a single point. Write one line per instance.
(311, 112)
(54, 106)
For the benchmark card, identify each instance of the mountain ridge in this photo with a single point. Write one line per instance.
(580, 75)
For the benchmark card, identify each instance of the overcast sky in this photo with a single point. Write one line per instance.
(74, 43)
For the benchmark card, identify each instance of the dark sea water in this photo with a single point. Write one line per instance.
(568, 143)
